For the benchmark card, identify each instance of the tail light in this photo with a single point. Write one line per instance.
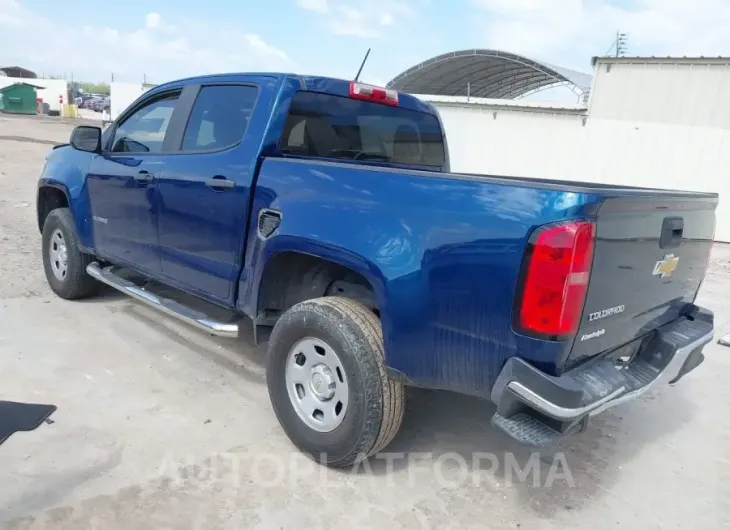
(555, 279)
(373, 93)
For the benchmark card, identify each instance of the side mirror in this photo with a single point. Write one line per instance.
(86, 138)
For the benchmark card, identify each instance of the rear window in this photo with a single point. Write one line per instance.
(327, 126)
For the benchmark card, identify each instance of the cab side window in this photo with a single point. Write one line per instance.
(144, 131)
(219, 117)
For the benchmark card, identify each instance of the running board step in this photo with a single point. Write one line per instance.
(530, 430)
(165, 305)
(527, 429)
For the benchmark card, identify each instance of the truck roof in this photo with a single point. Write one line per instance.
(312, 83)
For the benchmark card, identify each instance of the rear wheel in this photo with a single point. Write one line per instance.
(326, 377)
(63, 261)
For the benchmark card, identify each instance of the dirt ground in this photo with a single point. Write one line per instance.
(159, 426)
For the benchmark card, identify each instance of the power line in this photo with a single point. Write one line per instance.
(620, 44)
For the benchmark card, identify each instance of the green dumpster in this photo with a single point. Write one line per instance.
(19, 98)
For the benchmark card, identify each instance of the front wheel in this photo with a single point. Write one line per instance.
(325, 372)
(63, 261)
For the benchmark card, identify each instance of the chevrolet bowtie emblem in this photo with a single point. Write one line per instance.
(665, 267)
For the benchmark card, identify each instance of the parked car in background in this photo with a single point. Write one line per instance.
(91, 101)
(99, 104)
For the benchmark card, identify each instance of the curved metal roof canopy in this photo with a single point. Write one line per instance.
(486, 74)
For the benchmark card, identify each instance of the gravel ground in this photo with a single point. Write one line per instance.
(161, 427)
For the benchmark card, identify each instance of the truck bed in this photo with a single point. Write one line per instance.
(588, 187)
(445, 251)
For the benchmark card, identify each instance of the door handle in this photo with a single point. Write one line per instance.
(143, 176)
(219, 182)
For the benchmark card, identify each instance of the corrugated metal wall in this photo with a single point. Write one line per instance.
(690, 92)
(651, 122)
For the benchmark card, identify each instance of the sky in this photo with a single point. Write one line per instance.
(161, 40)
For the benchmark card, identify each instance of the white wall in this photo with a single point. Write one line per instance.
(652, 125)
(504, 141)
(675, 91)
(52, 89)
(121, 95)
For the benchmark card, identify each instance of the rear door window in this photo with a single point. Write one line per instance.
(335, 127)
(219, 117)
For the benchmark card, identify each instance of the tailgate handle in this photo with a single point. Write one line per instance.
(672, 230)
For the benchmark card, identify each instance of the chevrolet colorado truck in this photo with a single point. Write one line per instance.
(323, 213)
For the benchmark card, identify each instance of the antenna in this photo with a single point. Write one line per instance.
(362, 64)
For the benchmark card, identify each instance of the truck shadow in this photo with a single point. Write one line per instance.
(455, 430)
(105, 295)
(448, 438)
(239, 356)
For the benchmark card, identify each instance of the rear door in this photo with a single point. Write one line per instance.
(121, 184)
(205, 187)
(650, 257)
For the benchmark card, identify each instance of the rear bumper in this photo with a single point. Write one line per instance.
(536, 408)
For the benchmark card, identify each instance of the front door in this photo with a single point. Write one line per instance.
(122, 186)
(204, 191)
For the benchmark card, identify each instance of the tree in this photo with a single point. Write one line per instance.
(94, 88)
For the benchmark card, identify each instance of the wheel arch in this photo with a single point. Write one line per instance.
(53, 193)
(291, 275)
(50, 197)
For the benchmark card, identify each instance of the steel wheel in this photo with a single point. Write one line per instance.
(317, 384)
(64, 261)
(58, 255)
(331, 394)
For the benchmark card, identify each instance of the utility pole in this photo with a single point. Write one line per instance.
(621, 43)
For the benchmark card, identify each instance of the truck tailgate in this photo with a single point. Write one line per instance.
(650, 257)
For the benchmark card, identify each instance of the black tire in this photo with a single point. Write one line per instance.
(376, 403)
(76, 283)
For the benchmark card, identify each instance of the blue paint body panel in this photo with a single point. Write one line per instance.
(202, 230)
(443, 264)
(65, 170)
(119, 200)
(441, 251)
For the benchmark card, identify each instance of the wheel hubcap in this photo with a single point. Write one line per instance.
(58, 254)
(316, 384)
(323, 383)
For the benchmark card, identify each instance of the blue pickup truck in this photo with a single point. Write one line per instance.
(323, 213)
